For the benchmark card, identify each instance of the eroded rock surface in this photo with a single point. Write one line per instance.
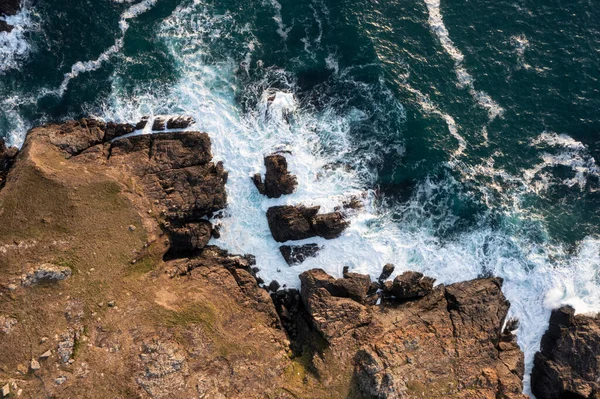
(568, 363)
(278, 180)
(45, 273)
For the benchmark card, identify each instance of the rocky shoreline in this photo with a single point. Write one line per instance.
(8, 8)
(109, 287)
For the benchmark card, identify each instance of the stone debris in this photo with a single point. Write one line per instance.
(34, 365)
(45, 273)
(7, 323)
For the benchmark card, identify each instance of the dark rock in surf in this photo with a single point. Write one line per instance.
(159, 123)
(411, 285)
(296, 254)
(4, 27)
(291, 222)
(278, 180)
(568, 363)
(386, 272)
(180, 122)
(298, 222)
(9, 7)
(142, 123)
(329, 225)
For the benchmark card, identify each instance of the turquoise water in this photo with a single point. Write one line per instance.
(470, 129)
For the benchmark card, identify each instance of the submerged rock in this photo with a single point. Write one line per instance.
(296, 254)
(45, 273)
(278, 180)
(568, 363)
(298, 222)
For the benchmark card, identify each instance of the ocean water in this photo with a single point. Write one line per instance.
(470, 130)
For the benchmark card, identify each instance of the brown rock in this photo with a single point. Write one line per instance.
(278, 180)
(411, 285)
(568, 364)
(444, 345)
(386, 272)
(7, 159)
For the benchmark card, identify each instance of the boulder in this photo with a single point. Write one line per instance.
(114, 130)
(568, 363)
(45, 273)
(278, 180)
(4, 27)
(290, 222)
(296, 254)
(386, 272)
(411, 285)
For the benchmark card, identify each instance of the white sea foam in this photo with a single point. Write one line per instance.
(282, 30)
(93, 65)
(465, 79)
(537, 276)
(14, 47)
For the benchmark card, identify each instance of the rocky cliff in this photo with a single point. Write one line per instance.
(7, 8)
(568, 363)
(109, 288)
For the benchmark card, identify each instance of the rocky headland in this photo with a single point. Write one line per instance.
(109, 287)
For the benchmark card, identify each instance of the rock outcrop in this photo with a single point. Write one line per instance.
(152, 307)
(289, 222)
(568, 363)
(9, 7)
(278, 180)
(448, 343)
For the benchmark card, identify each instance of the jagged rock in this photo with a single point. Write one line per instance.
(7, 323)
(298, 222)
(411, 285)
(66, 345)
(424, 341)
(159, 123)
(114, 130)
(211, 256)
(142, 123)
(278, 180)
(189, 238)
(46, 354)
(171, 122)
(329, 225)
(45, 273)
(7, 158)
(568, 363)
(180, 122)
(5, 391)
(291, 222)
(333, 316)
(296, 254)
(176, 171)
(386, 272)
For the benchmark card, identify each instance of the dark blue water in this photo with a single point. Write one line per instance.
(471, 127)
